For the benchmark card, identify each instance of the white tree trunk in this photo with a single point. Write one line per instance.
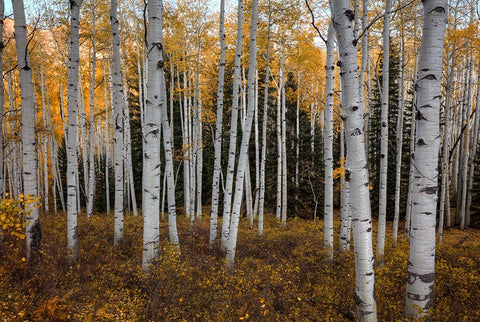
(356, 164)
(473, 154)
(45, 139)
(72, 183)
(242, 162)
(328, 143)
(29, 161)
(261, 196)
(278, 208)
(151, 137)
(91, 145)
(466, 153)
(382, 200)
(227, 202)
(284, 143)
(412, 151)
(399, 134)
(118, 125)
(107, 139)
(421, 264)
(167, 144)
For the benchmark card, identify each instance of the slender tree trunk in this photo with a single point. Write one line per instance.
(217, 168)
(91, 160)
(227, 202)
(167, 144)
(242, 162)
(421, 264)
(29, 161)
(473, 154)
(284, 142)
(356, 164)
(118, 125)
(399, 136)
(151, 137)
(261, 197)
(466, 154)
(45, 139)
(382, 203)
(278, 208)
(328, 144)
(445, 187)
(412, 152)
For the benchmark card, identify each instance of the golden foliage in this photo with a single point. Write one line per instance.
(281, 276)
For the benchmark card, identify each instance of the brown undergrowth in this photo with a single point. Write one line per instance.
(281, 276)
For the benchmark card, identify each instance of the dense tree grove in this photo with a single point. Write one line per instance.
(358, 115)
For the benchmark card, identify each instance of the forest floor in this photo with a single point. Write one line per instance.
(281, 276)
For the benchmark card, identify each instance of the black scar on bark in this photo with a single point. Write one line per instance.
(349, 14)
(356, 132)
(339, 63)
(439, 9)
(419, 116)
(384, 124)
(369, 230)
(354, 108)
(347, 175)
(421, 142)
(343, 117)
(160, 64)
(430, 77)
(429, 190)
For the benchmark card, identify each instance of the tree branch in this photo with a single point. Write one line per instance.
(313, 22)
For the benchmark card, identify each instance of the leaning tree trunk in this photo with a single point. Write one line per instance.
(328, 143)
(151, 137)
(356, 173)
(421, 264)
(118, 126)
(227, 202)
(72, 183)
(29, 160)
(217, 167)
(243, 158)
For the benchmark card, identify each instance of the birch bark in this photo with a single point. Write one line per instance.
(227, 202)
(356, 173)
(29, 160)
(328, 142)
(421, 264)
(72, 183)
(261, 196)
(118, 125)
(242, 162)
(382, 203)
(217, 168)
(151, 137)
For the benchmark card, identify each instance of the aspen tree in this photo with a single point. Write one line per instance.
(476, 129)
(356, 165)
(91, 145)
(284, 141)
(227, 201)
(45, 139)
(151, 137)
(242, 162)
(72, 179)
(382, 203)
(328, 142)
(399, 137)
(218, 130)
(261, 195)
(118, 126)
(29, 160)
(421, 264)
